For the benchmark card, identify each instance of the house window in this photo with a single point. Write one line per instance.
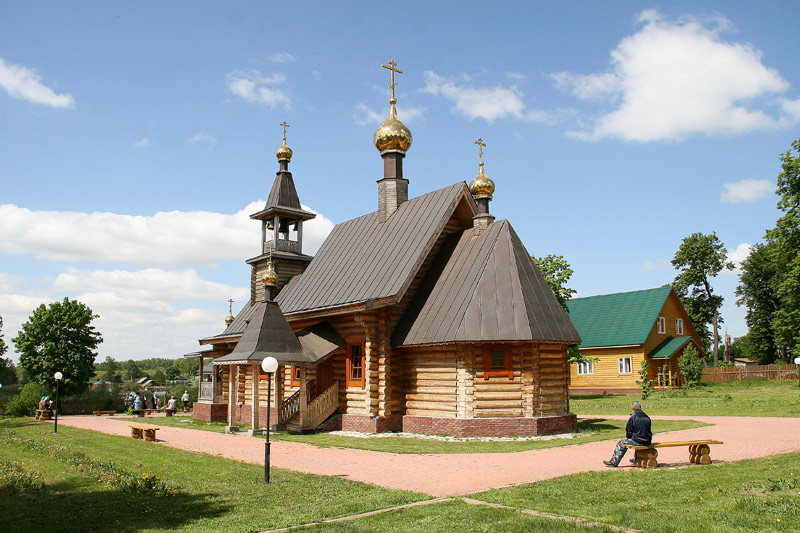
(624, 365)
(355, 365)
(497, 362)
(586, 367)
(661, 325)
(295, 376)
(678, 326)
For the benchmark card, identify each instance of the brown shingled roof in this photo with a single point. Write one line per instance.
(483, 287)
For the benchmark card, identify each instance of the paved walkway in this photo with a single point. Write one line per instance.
(744, 438)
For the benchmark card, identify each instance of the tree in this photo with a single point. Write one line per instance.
(691, 367)
(757, 293)
(785, 238)
(556, 272)
(698, 259)
(171, 372)
(131, 370)
(8, 374)
(59, 338)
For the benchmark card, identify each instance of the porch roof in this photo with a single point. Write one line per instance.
(669, 347)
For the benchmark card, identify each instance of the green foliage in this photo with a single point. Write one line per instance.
(723, 364)
(699, 259)
(131, 370)
(59, 338)
(757, 293)
(8, 373)
(27, 401)
(556, 272)
(691, 367)
(171, 372)
(644, 381)
(16, 475)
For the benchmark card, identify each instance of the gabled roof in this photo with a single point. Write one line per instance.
(363, 260)
(483, 287)
(667, 349)
(620, 319)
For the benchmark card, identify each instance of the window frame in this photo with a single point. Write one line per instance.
(621, 365)
(507, 370)
(661, 325)
(678, 326)
(349, 381)
(585, 368)
(294, 379)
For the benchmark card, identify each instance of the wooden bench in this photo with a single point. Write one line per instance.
(146, 432)
(167, 410)
(43, 414)
(138, 412)
(647, 455)
(109, 413)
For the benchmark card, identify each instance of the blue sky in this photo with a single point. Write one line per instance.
(136, 138)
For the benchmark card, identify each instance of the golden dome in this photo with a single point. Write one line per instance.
(393, 135)
(482, 186)
(284, 152)
(229, 319)
(270, 277)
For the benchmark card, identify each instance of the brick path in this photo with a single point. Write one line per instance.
(458, 474)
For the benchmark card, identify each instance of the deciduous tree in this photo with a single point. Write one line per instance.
(556, 272)
(699, 259)
(757, 293)
(59, 338)
(8, 374)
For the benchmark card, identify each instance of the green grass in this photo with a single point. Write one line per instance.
(589, 430)
(214, 494)
(753, 495)
(732, 398)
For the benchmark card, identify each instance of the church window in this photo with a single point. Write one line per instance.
(497, 362)
(355, 365)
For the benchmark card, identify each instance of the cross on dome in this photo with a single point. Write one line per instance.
(392, 66)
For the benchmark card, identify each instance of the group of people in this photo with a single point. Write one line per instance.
(140, 401)
(45, 404)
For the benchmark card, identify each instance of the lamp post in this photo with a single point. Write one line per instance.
(797, 362)
(269, 365)
(58, 376)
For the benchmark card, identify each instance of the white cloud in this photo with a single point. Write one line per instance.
(488, 103)
(281, 57)
(25, 84)
(141, 143)
(164, 239)
(365, 116)
(748, 190)
(255, 88)
(674, 79)
(736, 256)
(203, 138)
(658, 264)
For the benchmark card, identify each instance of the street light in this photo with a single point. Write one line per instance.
(58, 376)
(269, 365)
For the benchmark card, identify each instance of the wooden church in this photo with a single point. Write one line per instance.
(425, 316)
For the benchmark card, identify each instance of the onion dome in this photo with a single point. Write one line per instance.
(393, 135)
(270, 277)
(284, 153)
(482, 186)
(229, 319)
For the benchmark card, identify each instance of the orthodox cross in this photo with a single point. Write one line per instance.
(230, 306)
(392, 66)
(285, 125)
(480, 144)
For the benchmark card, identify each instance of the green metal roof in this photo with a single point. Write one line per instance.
(667, 349)
(620, 319)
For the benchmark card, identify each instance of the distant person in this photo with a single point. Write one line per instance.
(41, 404)
(137, 403)
(155, 402)
(144, 401)
(637, 433)
(172, 403)
(185, 399)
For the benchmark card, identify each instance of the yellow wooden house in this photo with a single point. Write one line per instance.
(623, 329)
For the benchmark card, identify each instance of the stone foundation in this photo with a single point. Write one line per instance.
(210, 412)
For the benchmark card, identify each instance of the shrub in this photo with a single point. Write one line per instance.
(26, 402)
(690, 366)
(644, 382)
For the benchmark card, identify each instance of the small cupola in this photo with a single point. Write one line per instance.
(482, 189)
(392, 139)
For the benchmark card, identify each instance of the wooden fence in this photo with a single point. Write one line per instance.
(738, 373)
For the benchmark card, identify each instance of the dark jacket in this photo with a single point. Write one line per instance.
(638, 428)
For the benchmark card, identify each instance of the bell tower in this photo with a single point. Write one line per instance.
(281, 228)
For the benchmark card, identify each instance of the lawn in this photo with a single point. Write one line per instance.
(589, 430)
(732, 398)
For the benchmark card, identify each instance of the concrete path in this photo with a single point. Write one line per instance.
(457, 474)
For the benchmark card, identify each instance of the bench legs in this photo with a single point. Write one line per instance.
(700, 454)
(646, 458)
(136, 433)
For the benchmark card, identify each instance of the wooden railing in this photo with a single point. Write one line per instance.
(289, 407)
(207, 391)
(738, 373)
(323, 405)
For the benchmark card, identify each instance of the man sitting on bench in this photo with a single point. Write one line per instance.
(637, 433)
